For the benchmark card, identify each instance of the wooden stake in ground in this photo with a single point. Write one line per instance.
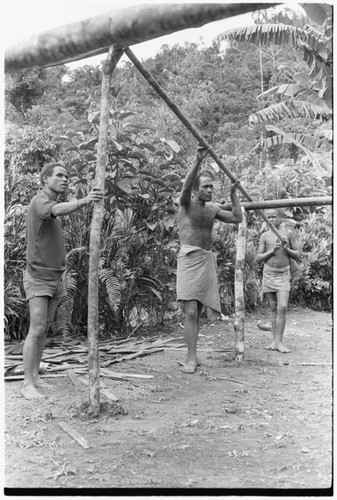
(239, 285)
(96, 225)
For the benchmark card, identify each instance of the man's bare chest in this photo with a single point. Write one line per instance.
(201, 216)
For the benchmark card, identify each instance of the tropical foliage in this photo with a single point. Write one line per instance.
(53, 114)
(306, 93)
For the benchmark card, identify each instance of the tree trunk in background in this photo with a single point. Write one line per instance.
(96, 225)
(123, 27)
(239, 323)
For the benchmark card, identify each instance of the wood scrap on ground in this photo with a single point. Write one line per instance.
(70, 355)
(74, 434)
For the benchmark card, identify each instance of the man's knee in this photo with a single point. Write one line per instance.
(191, 311)
(282, 308)
(37, 330)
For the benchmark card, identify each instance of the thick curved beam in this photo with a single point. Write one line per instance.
(123, 27)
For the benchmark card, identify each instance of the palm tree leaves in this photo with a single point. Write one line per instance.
(302, 141)
(316, 46)
(318, 12)
(63, 322)
(112, 286)
(263, 34)
(310, 93)
(308, 141)
(290, 109)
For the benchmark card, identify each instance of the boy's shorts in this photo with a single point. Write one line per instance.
(54, 289)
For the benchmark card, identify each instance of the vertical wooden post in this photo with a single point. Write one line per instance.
(239, 323)
(114, 55)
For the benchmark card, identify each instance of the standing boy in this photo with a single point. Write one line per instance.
(276, 275)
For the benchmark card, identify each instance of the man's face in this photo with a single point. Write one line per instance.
(205, 189)
(58, 181)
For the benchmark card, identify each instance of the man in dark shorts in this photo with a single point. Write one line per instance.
(45, 265)
(197, 283)
(276, 274)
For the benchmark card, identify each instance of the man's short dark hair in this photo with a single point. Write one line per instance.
(48, 169)
(206, 174)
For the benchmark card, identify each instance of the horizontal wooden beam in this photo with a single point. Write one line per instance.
(123, 28)
(285, 203)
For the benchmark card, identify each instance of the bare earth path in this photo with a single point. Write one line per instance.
(269, 427)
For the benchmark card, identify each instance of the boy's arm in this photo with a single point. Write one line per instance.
(186, 192)
(292, 248)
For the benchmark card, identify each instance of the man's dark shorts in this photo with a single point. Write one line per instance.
(43, 288)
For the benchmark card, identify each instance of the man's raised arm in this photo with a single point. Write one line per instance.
(235, 216)
(192, 174)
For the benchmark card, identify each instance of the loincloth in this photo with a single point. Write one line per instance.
(275, 279)
(197, 277)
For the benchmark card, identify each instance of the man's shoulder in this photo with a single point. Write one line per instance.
(213, 207)
(39, 196)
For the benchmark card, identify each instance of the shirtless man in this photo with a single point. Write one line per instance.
(276, 275)
(197, 283)
(45, 265)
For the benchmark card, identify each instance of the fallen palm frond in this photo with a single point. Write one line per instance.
(62, 355)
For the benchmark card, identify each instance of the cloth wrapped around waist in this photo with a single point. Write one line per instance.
(197, 277)
(275, 279)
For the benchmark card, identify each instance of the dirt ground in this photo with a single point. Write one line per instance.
(230, 428)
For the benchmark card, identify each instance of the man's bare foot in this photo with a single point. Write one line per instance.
(189, 367)
(277, 346)
(30, 392)
(41, 383)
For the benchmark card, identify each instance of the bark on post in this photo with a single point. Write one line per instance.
(114, 55)
(155, 85)
(239, 285)
(124, 27)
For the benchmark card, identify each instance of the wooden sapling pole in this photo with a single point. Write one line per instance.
(114, 55)
(123, 27)
(284, 203)
(239, 285)
(155, 85)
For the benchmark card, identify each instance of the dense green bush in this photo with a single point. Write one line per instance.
(149, 152)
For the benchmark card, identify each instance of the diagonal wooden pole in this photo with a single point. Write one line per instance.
(155, 85)
(114, 56)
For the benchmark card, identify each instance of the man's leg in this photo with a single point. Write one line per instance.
(282, 307)
(278, 302)
(52, 306)
(272, 301)
(33, 346)
(192, 311)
